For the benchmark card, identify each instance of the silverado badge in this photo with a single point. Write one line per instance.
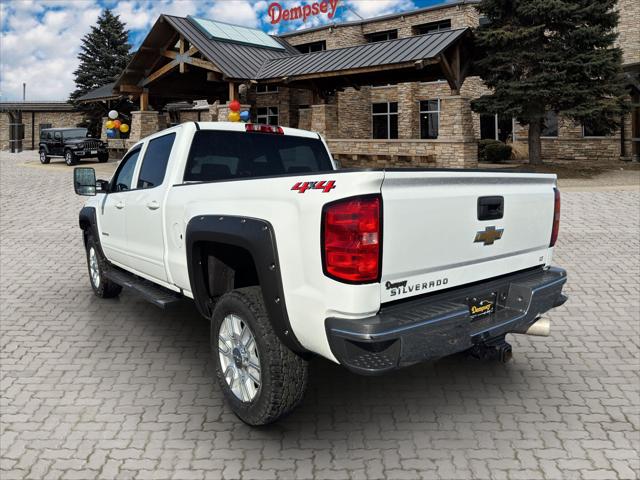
(489, 235)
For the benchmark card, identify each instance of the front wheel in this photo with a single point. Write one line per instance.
(102, 286)
(44, 158)
(261, 378)
(103, 157)
(70, 158)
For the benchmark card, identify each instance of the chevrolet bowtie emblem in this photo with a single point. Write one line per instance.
(489, 235)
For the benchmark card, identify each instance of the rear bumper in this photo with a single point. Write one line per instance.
(438, 325)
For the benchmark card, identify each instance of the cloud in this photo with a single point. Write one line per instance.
(357, 9)
(239, 12)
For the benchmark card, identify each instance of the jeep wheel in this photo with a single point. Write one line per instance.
(70, 158)
(102, 286)
(103, 157)
(261, 378)
(44, 158)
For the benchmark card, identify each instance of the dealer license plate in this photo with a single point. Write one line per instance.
(94, 152)
(482, 305)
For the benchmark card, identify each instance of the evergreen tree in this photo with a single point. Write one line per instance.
(103, 55)
(551, 55)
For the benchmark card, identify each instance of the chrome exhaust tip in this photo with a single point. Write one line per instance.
(540, 328)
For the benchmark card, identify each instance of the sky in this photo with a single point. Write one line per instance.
(40, 39)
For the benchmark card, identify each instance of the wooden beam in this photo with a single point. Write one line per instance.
(181, 46)
(169, 54)
(233, 91)
(198, 62)
(158, 73)
(130, 89)
(449, 75)
(144, 100)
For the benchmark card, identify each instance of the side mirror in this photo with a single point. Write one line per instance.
(84, 181)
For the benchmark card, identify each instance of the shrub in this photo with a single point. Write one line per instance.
(493, 151)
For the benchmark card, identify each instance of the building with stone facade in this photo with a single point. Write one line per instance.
(387, 91)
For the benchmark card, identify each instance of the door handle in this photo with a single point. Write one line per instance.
(153, 205)
(120, 205)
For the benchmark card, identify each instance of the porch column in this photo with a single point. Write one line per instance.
(144, 123)
(324, 119)
(408, 119)
(456, 146)
(304, 118)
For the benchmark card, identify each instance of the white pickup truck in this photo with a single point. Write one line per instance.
(290, 257)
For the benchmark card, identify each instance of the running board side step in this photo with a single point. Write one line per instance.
(160, 297)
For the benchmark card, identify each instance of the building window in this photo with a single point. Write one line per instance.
(429, 118)
(266, 88)
(384, 120)
(432, 27)
(312, 47)
(268, 115)
(382, 36)
(593, 129)
(496, 127)
(550, 125)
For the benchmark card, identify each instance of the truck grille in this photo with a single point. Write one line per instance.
(91, 145)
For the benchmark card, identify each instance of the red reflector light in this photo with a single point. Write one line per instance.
(556, 218)
(352, 239)
(262, 128)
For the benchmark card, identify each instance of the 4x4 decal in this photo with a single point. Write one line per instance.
(325, 185)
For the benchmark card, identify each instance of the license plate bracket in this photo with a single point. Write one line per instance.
(94, 152)
(482, 305)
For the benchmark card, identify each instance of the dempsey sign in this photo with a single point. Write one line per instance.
(302, 12)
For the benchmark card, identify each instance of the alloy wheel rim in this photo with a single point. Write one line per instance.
(94, 268)
(43, 157)
(239, 359)
(68, 158)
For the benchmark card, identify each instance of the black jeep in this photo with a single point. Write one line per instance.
(72, 144)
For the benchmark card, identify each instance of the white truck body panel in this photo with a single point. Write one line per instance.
(429, 223)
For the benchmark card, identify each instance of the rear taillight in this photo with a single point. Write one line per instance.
(262, 128)
(352, 239)
(556, 218)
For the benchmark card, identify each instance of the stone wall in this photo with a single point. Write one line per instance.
(629, 30)
(56, 119)
(338, 36)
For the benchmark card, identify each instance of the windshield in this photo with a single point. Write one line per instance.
(75, 133)
(220, 155)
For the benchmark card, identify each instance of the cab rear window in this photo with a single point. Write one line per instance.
(220, 155)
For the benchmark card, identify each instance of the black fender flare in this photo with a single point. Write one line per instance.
(257, 236)
(44, 147)
(89, 225)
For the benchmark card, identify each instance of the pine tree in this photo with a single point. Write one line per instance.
(103, 55)
(550, 55)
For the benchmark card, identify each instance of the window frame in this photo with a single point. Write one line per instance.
(268, 115)
(420, 112)
(134, 177)
(266, 86)
(388, 114)
(387, 33)
(417, 29)
(584, 135)
(557, 135)
(322, 43)
(144, 157)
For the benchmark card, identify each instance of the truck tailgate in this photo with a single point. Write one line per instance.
(433, 238)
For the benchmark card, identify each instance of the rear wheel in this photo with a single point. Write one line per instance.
(44, 158)
(262, 380)
(102, 286)
(70, 158)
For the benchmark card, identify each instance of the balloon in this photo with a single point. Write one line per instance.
(111, 133)
(234, 116)
(124, 128)
(116, 124)
(244, 116)
(113, 114)
(234, 106)
(109, 124)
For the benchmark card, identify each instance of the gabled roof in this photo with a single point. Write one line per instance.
(101, 93)
(390, 52)
(44, 106)
(236, 60)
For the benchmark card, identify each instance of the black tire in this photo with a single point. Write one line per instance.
(283, 374)
(44, 158)
(70, 158)
(102, 286)
(102, 158)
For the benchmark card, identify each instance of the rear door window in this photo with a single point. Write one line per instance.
(154, 164)
(220, 155)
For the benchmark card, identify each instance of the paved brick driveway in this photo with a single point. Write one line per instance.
(120, 389)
